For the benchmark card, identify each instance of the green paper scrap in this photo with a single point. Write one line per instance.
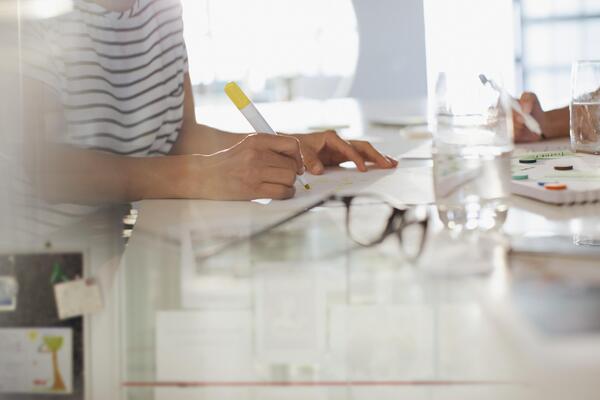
(544, 155)
(58, 275)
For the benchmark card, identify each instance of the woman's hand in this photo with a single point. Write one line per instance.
(323, 149)
(260, 166)
(530, 105)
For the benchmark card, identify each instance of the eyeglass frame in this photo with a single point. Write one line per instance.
(347, 201)
(397, 212)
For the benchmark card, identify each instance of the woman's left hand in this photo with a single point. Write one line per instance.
(323, 149)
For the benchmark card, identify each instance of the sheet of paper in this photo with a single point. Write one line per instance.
(77, 297)
(196, 346)
(400, 120)
(36, 360)
(421, 152)
(205, 288)
(409, 185)
(383, 342)
(290, 314)
(8, 293)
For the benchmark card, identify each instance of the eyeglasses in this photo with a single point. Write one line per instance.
(370, 219)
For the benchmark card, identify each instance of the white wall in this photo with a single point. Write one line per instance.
(391, 63)
(10, 136)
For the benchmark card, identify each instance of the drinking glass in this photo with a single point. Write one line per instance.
(473, 142)
(585, 107)
(472, 148)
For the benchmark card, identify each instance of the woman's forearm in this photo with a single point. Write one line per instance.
(69, 174)
(196, 138)
(201, 139)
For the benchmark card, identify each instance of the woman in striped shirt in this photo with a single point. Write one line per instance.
(116, 101)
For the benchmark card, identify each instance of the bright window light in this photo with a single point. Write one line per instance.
(470, 37)
(262, 43)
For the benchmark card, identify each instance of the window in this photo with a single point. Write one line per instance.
(277, 49)
(554, 34)
(470, 37)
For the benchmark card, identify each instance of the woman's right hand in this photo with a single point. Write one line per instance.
(530, 105)
(260, 166)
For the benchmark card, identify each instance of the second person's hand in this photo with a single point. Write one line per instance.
(530, 105)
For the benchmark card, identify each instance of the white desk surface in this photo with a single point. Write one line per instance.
(300, 313)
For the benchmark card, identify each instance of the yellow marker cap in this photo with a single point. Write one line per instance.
(236, 95)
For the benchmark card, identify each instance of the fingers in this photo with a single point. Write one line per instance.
(528, 101)
(522, 133)
(393, 161)
(274, 191)
(520, 130)
(346, 149)
(312, 161)
(277, 160)
(279, 176)
(528, 137)
(286, 145)
(369, 153)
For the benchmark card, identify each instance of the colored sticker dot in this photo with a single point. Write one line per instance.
(520, 177)
(563, 167)
(555, 186)
(528, 161)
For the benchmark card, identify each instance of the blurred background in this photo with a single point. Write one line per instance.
(530, 43)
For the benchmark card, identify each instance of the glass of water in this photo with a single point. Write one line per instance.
(585, 107)
(473, 142)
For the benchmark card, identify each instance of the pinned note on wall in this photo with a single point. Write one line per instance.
(8, 293)
(9, 286)
(77, 297)
(36, 360)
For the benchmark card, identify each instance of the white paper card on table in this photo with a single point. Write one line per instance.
(77, 297)
(36, 360)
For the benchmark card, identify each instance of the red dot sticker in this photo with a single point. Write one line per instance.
(555, 186)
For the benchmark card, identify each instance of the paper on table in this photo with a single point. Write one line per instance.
(409, 185)
(400, 121)
(421, 152)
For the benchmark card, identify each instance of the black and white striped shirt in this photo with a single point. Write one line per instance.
(119, 75)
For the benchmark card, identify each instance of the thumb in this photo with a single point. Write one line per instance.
(527, 102)
(312, 162)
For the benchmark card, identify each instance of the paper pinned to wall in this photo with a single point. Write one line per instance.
(36, 360)
(77, 297)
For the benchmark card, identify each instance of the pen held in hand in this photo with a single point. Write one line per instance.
(254, 117)
(529, 121)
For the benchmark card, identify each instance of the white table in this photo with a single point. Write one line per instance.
(299, 312)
